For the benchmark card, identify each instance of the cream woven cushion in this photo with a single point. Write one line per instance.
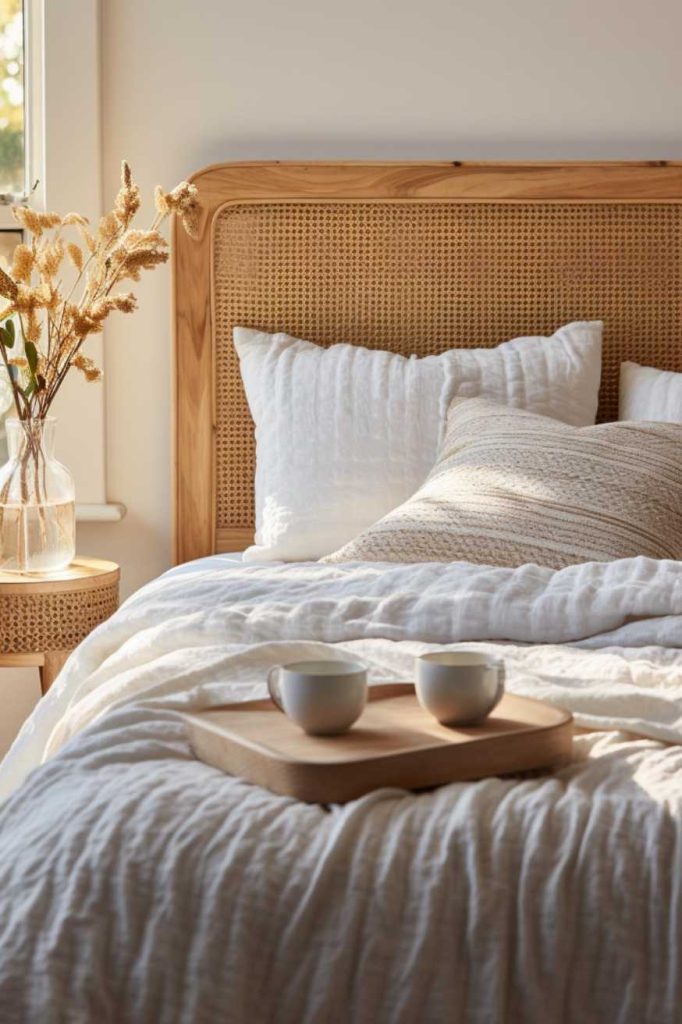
(511, 487)
(345, 433)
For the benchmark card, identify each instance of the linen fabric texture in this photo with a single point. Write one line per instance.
(125, 862)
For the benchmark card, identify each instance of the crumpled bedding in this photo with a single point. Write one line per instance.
(137, 884)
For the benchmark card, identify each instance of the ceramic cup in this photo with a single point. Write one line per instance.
(459, 687)
(323, 697)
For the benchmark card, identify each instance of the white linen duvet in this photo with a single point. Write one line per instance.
(139, 885)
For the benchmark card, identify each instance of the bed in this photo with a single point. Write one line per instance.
(138, 884)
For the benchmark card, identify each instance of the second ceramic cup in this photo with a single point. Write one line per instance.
(459, 687)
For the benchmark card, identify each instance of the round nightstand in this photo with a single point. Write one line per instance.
(43, 616)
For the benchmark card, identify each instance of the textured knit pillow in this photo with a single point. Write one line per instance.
(649, 394)
(344, 434)
(510, 487)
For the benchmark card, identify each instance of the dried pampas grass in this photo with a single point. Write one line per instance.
(53, 322)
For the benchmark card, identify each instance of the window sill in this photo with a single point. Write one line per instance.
(109, 512)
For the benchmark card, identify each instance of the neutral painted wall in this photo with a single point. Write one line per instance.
(184, 85)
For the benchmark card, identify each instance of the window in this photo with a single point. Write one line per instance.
(12, 148)
(52, 100)
(12, 118)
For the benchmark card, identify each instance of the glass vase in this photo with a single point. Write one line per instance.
(37, 501)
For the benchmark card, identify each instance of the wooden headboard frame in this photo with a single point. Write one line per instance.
(224, 275)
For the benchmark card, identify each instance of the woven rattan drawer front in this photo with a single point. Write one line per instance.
(56, 621)
(424, 276)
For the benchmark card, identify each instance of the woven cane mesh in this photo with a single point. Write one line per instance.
(54, 621)
(425, 276)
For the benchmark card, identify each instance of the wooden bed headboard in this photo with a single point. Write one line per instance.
(412, 258)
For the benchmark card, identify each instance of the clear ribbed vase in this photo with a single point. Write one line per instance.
(37, 501)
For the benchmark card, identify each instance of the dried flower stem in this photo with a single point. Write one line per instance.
(40, 309)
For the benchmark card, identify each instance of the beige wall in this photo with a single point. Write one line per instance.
(184, 85)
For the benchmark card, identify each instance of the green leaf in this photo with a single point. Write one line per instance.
(6, 338)
(9, 328)
(32, 356)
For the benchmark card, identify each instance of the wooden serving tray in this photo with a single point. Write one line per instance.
(395, 743)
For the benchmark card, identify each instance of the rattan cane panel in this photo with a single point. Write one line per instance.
(424, 276)
(55, 621)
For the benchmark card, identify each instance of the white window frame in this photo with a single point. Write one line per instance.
(62, 118)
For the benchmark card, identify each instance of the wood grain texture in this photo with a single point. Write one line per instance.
(209, 438)
(34, 660)
(394, 743)
(232, 540)
(633, 181)
(53, 663)
(81, 574)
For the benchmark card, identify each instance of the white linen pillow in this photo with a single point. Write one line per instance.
(344, 434)
(649, 394)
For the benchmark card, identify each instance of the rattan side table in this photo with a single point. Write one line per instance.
(43, 616)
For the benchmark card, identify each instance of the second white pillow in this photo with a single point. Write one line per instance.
(649, 394)
(344, 434)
